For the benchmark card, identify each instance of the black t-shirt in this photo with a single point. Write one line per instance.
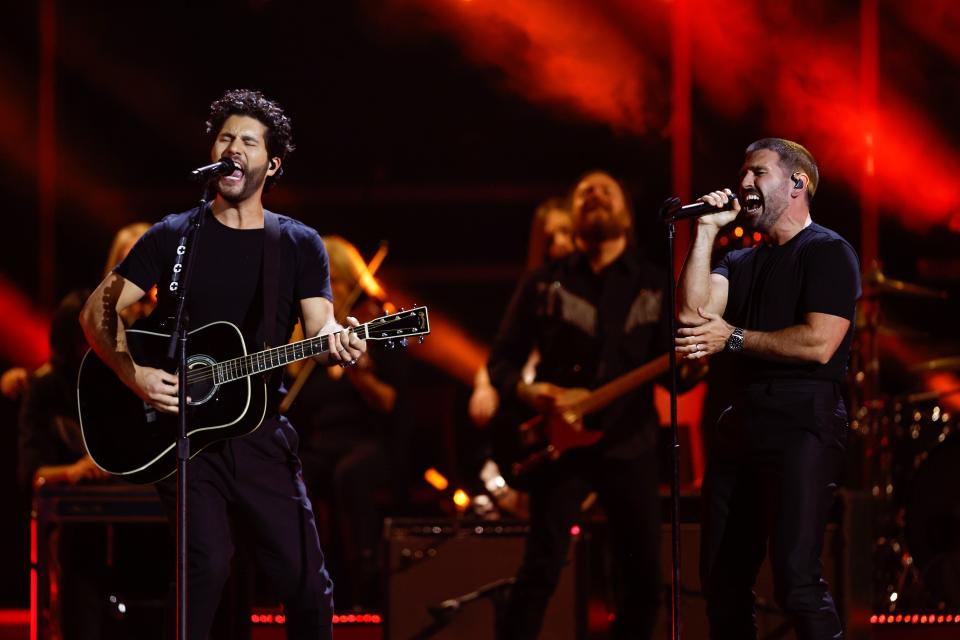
(774, 287)
(227, 277)
(589, 329)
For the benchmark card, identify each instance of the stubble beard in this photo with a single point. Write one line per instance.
(602, 224)
(773, 209)
(252, 181)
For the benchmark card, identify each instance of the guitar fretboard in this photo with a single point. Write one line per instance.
(604, 395)
(255, 363)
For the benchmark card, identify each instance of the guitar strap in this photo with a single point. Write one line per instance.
(267, 331)
(164, 317)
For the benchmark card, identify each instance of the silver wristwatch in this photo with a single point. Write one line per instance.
(735, 341)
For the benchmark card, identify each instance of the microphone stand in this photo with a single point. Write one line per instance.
(186, 254)
(669, 212)
(444, 612)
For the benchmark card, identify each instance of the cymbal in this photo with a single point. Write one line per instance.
(951, 363)
(876, 283)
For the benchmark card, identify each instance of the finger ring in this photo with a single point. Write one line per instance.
(698, 347)
(341, 350)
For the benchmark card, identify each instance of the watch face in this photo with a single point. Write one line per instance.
(735, 341)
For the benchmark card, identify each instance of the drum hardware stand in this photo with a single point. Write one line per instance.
(877, 420)
(875, 430)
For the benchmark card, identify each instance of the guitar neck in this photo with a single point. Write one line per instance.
(268, 359)
(603, 396)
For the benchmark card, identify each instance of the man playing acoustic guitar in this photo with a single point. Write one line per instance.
(593, 316)
(255, 478)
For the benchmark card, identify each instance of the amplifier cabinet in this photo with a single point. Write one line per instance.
(448, 580)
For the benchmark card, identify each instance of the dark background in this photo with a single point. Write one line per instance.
(400, 137)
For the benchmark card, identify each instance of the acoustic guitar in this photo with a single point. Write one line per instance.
(129, 438)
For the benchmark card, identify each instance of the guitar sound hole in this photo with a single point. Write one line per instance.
(201, 371)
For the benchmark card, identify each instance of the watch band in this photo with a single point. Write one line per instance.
(735, 341)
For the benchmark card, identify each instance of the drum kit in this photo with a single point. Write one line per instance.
(906, 453)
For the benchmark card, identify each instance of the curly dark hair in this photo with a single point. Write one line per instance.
(247, 102)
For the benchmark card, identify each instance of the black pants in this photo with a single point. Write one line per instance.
(771, 477)
(627, 490)
(257, 480)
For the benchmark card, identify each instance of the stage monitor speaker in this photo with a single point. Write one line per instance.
(446, 580)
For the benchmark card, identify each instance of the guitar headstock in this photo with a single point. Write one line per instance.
(396, 328)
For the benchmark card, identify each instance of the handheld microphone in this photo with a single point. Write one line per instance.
(219, 168)
(671, 210)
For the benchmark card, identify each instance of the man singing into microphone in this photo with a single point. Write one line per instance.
(254, 479)
(784, 310)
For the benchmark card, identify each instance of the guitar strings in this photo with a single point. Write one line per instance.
(245, 362)
(242, 366)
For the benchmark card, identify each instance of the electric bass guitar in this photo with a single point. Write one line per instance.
(522, 451)
(129, 438)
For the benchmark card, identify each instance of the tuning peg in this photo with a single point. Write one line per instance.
(420, 340)
(390, 344)
(403, 342)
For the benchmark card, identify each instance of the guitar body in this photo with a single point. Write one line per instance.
(129, 438)
(228, 398)
(524, 452)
